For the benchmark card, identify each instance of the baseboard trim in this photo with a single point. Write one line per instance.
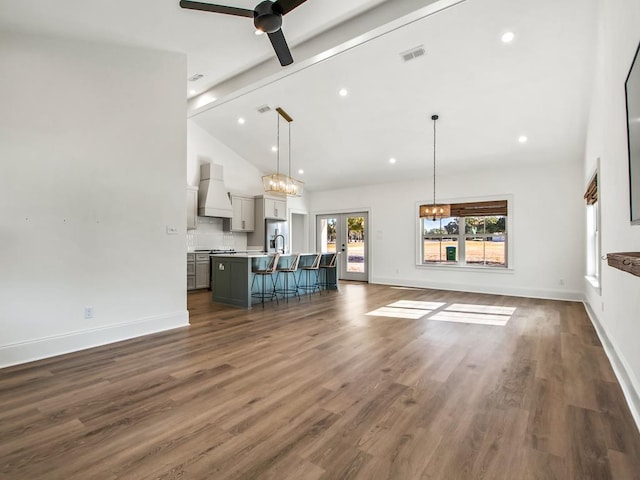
(630, 391)
(564, 295)
(18, 353)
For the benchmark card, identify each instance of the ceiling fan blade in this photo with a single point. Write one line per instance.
(281, 48)
(285, 6)
(208, 7)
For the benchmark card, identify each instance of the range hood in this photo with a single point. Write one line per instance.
(213, 200)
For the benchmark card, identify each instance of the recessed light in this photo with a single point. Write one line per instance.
(241, 121)
(301, 172)
(274, 149)
(522, 139)
(343, 92)
(508, 37)
(192, 92)
(392, 161)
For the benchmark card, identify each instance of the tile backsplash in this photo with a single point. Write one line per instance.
(209, 235)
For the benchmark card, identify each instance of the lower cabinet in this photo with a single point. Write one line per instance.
(202, 270)
(198, 275)
(191, 271)
(232, 281)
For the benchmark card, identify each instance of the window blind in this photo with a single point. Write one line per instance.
(479, 209)
(591, 195)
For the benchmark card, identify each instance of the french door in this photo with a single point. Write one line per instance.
(347, 234)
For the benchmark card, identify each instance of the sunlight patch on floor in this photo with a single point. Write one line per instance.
(490, 309)
(456, 312)
(417, 304)
(470, 317)
(396, 312)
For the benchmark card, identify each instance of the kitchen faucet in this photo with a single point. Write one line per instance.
(275, 242)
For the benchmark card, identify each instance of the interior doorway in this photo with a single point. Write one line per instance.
(299, 232)
(346, 233)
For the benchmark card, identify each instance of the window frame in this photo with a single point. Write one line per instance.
(593, 250)
(462, 236)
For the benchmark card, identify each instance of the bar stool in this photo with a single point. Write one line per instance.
(330, 262)
(290, 269)
(308, 286)
(266, 271)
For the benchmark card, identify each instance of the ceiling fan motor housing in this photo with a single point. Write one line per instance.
(265, 18)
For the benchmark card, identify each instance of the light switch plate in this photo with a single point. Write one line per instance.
(172, 230)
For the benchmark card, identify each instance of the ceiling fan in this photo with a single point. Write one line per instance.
(267, 17)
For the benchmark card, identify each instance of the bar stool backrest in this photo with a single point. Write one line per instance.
(294, 263)
(316, 262)
(332, 261)
(273, 263)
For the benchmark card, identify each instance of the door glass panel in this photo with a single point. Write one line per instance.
(355, 244)
(328, 235)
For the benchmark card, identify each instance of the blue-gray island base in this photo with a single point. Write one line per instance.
(231, 276)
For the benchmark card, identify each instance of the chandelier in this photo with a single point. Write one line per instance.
(279, 182)
(435, 210)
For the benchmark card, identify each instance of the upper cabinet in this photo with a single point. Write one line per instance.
(192, 207)
(243, 219)
(274, 208)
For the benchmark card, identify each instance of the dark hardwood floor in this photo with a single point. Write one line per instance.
(318, 390)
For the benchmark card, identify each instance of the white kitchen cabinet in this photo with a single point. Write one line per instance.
(267, 207)
(243, 219)
(198, 271)
(275, 208)
(191, 271)
(192, 207)
(202, 270)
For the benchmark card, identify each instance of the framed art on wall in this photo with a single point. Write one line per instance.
(632, 93)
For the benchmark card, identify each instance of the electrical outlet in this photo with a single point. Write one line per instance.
(88, 313)
(561, 282)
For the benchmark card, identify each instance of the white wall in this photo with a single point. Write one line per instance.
(546, 237)
(239, 175)
(617, 311)
(92, 171)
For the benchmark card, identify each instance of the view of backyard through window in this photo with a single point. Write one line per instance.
(483, 241)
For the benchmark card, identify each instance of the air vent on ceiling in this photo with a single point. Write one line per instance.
(413, 53)
(196, 77)
(264, 109)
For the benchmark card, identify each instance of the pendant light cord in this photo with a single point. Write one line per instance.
(289, 151)
(434, 118)
(278, 147)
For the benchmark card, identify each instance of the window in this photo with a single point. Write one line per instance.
(474, 234)
(593, 231)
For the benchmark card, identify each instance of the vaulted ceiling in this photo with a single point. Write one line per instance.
(488, 93)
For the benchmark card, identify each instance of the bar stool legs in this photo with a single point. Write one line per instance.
(286, 291)
(324, 268)
(271, 294)
(309, 287)
(268, 271)
(286, 270)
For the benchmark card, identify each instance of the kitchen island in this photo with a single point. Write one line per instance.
(231, 275)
